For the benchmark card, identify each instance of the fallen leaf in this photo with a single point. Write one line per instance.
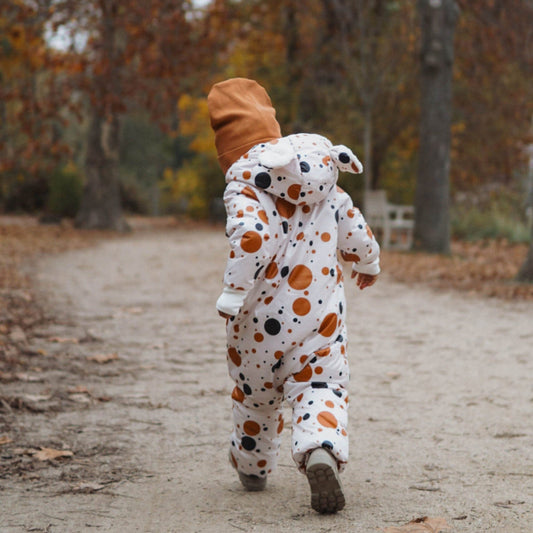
(421, 525)
(80, 398)
(103, 358)
(88, 488)
(22, 376)
(133, 310)
(48, 454)
(37, 397)
(63, 340)
(5, 440)
(78, 389)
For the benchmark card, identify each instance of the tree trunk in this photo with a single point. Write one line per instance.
(367, 148)
(432, 219)
(526, 272)
(100, 205)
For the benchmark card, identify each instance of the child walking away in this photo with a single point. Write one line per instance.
(283, 294)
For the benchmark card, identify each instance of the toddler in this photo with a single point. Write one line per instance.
(283, 294)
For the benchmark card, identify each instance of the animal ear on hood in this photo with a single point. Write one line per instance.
(345, 159)
(278, 153)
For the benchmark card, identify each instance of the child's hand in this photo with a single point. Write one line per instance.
(364, 280)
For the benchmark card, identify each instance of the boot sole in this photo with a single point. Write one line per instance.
(326, 489)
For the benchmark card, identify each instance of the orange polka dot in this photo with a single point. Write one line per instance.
(304, 375)
(268, 299)
(300, 236)
(294, 191)
(233, 461)
(351, 213)
(329, 325)
(259, 337)
(325, 271)
(300, 277)
(232, 254)
(280, 426)
(262, 463)
(306, 209)
(234, 356)
(343, 431)
(329, 403)
(237, 395)
(271, 270)
(303, 359)
(301, 306)
(326, 419)
(319, 370)
(246, 174)
(251, 428)
(323, 352)
(285, 209)
(350, 257)
(278, 355)
(268, 385)
(263, 216)
(240, 213)
(325, 236)
(249, 209)
(326, 159)
(299, 397)
(251, 242)
(248, 192)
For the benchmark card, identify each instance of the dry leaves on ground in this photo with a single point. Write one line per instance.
(485, 268)
(421, 525)
(103, 358)
(49, 454)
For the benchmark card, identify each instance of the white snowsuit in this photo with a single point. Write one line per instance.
(286, 219)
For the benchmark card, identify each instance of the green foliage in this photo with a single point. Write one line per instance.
(64, 193)
(500, 214)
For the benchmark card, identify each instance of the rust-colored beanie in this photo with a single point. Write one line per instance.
(242, 116)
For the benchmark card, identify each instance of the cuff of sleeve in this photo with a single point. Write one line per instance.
(372, 268)
(231, 301)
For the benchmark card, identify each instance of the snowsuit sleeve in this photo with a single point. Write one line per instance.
(247, 229)
(356, 242)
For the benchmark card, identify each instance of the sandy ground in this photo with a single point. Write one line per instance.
(441, 406)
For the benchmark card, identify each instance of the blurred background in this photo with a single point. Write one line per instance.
(104, 102)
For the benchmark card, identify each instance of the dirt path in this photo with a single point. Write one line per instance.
(441, 406)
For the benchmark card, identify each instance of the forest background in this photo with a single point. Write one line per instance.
(114, 94)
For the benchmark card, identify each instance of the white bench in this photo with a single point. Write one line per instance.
(392, 224)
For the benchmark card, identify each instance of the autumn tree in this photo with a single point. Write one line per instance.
(30, 101)
(432, 222)
(131, 55)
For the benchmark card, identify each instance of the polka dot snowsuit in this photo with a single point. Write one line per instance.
(286, 220)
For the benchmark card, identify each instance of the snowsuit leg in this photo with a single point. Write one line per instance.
(320, 408)
(257, 425)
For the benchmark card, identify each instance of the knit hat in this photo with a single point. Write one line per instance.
(242, 116)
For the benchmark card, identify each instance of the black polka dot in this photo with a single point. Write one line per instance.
(327, 445)
(272, 326)
(259, 227)
(263, 180)
(305, 166)
(285, 226)
(306, 416)
(284, 271)
(344, 157)
(248, 443)
(247, 390)
(337, 393)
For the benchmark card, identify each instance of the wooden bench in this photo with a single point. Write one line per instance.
(393, 224)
